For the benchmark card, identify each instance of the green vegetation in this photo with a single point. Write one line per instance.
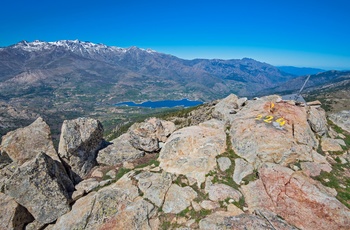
(240, 204)
(152, 161)
(106, 177)
(192, 214)
(201, 195)
(181, 113)
(338, 180)
(251, 177)
(120, 123)
(226, 176)
(179, 181)
(229, 151)
(166, 225)
(341, 131)
(121, 172)
(319, 149)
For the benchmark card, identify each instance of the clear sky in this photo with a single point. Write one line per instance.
(280, 32)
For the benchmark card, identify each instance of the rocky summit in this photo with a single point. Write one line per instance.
(264, 163)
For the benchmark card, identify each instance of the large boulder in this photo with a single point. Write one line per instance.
(226, 107)
(298, 199)
(79, 143)
(317, 120)
(191, 151)
(24, 144)
(342, 119)
(119, 151)
(267, 131)
(12, 214)
(39, 187)
(146, 135)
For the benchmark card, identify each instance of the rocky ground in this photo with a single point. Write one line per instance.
(230, 164)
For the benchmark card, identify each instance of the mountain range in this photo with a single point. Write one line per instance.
(69, 78)
(75, 68)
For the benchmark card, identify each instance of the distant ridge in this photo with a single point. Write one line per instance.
(300, 71)
(330, 80)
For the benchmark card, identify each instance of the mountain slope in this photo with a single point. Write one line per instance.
(316, 81)
(332, 88)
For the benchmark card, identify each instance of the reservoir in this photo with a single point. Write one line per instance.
(162, 104)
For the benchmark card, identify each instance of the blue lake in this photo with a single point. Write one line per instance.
(162, 104)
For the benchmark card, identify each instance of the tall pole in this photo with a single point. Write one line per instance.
(307, 79)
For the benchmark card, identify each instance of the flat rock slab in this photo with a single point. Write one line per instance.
(191, 151)
(224, 220)
(154, 185)
(78, 217)
(209, 205)
(93, 210)
(134, 216)
(220, 192)
(257, 137)
(242, 169)
(329, 144)
(315, 169)
(178, 199)
(234, 210)
(224, 163)
(300, 200)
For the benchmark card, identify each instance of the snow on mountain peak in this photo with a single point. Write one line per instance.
(76, 46)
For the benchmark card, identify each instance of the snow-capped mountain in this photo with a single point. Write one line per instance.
(71, 45)
(110, 54)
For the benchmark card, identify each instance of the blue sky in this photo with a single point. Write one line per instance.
(300, 33)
